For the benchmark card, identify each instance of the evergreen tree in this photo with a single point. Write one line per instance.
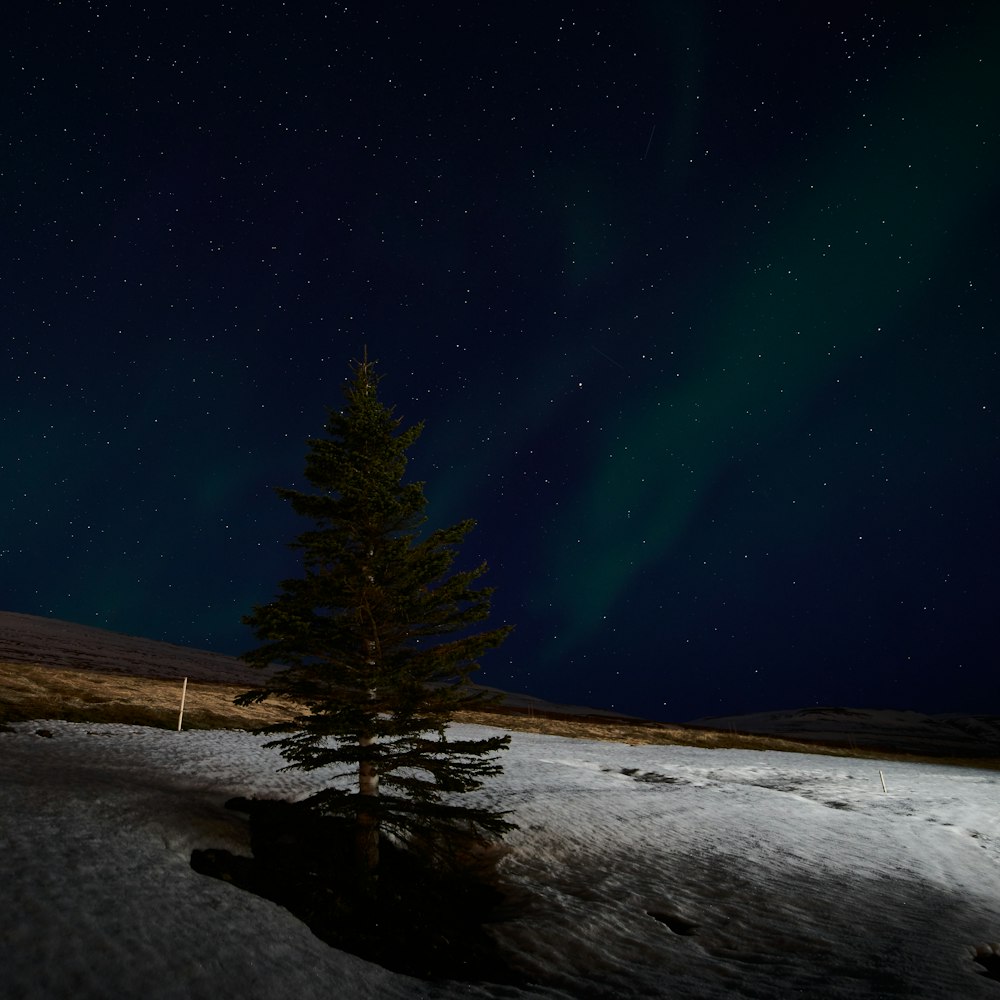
(377, 640)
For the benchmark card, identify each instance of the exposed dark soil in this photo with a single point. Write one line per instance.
(415, 918)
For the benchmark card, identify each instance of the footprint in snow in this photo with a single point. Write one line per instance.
(679, 925)
(651, 777)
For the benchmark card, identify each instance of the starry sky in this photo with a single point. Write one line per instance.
(698, 302)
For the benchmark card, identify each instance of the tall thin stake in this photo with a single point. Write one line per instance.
(882, 777)
(180, 717)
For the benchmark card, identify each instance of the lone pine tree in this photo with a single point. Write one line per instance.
(377, 640)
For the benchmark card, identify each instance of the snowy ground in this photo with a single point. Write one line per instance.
(803, 878)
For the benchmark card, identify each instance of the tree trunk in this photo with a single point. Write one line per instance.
(366, 840)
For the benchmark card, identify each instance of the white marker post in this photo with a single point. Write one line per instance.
(180, 717)
(882, 779)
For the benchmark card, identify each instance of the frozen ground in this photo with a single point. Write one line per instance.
(794, 875)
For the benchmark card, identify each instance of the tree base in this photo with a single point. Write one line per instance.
(414, 918)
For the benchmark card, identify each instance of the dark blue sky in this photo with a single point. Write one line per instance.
(698, 304)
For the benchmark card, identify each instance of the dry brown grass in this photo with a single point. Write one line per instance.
(667, 734)
(635, 734)
(35, 691)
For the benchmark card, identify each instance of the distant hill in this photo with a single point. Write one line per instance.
(54, 643)
(876, 729)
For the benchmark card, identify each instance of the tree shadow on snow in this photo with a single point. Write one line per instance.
(419, 918)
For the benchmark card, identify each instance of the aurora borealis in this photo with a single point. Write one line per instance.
(697, 304)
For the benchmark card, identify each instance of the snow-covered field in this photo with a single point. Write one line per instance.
(802, 878)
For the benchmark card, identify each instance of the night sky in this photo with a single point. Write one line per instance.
(698, 302)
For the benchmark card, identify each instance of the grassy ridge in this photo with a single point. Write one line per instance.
(34, 691)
